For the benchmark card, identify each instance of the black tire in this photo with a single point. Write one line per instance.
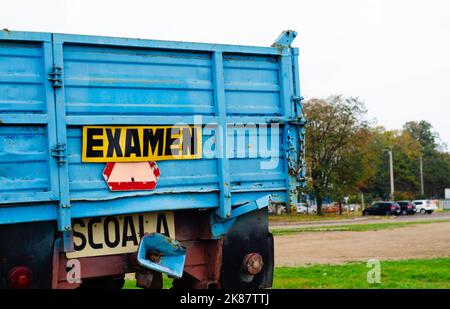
(404, 212)
(258, 239)
(423, 212)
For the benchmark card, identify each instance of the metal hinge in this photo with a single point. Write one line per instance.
(59, 152)
(56, 77)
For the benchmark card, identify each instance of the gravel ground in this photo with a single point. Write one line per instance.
(419, 241)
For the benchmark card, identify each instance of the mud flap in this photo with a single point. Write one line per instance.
(249, 234)
(29, 245)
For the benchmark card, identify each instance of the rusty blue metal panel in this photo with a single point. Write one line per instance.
(130, 81)
(64, 220)
(7, 35)
(223, 165)
(163, 45)
(115, 81)
(289, 140)
(28, 172)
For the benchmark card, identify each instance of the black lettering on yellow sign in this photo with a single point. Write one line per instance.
(123, 235)
(141, 143)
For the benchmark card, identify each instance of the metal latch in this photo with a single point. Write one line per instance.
(56, 77)
(59, 152)
(297, 99)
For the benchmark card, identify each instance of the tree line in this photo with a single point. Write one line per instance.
(347, 154)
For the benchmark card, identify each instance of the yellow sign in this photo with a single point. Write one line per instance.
(117, 234)
(141, 143)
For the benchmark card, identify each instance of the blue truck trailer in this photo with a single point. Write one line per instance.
(141, 156)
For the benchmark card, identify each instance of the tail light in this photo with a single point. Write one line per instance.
(393, 207)
(410, 206)
(20, 277)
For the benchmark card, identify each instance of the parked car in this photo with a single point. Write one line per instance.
(407, 207)
(304, 208)
(425, 206)
(277, 209)
(331, 208)
(382, 209)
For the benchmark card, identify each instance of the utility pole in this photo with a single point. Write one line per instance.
(422, 191)
(391, 170)
(362, 201)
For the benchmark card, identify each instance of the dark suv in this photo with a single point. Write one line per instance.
(382, 209)
(407, 207)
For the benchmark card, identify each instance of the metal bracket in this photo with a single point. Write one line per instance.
(221, 226)
(59, 152)
(56, 77)
(297, 99)
(285, 39)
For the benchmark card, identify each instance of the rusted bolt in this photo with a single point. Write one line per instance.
(253, 263)
(154, 256)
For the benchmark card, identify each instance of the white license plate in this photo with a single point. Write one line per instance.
(117, 234)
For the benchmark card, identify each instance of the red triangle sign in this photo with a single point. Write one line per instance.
(132, 176)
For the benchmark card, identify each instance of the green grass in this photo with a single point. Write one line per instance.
(352, 227)
(405, 274)
(131, 283)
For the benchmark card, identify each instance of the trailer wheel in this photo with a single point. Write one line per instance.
(186, 282)
(248, 257)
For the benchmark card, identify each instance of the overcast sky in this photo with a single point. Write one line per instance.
(394, 55)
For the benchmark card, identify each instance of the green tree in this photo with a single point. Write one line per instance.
(422, 132)
(346, 156)
(436, 164)
(331, 135)
(406, 152)
(436, 170)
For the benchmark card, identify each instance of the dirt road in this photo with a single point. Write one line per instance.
(419, 241)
